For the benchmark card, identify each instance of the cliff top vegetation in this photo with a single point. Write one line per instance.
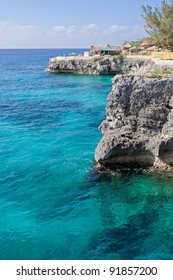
(159, 24)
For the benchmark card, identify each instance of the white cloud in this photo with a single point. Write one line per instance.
(135, 30)
(58, 29)
(9, 28)
(18, 35)
(71, 30)
(27, 29)
(134, 33)
(115, 29)
(92, 27)
(68, 31)
(3, 24)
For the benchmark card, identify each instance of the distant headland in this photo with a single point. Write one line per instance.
(107, 59)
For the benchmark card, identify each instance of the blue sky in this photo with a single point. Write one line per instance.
(70, 23)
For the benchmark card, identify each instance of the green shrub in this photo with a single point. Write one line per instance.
(102, 62)
(120, 56)
(158, 74)
(98, 58)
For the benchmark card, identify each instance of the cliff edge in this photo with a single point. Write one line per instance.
(138, 130)
(101, 65)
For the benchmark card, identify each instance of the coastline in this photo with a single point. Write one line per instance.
(107, 65)
(50, 197)
(136, 131)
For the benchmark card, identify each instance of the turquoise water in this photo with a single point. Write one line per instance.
(53, 205)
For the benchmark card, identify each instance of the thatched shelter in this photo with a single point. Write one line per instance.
(147, 44)
(126, 46)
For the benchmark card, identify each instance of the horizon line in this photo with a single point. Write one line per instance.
(44, 48)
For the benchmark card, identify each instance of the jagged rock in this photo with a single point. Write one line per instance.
(138, 130)
(80, 65)
(106, 65)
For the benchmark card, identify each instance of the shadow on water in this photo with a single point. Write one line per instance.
(119, 215)
(71, 198)
(126, 242)
(134, 210)
(100, 185)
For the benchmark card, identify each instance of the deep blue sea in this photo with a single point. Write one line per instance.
(53, 205)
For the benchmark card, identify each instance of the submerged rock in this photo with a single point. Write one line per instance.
(138, 130)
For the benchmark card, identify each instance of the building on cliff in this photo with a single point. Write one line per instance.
(126, 47)
(146, 44)
(105, 50)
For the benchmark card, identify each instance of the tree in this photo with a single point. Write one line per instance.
(159, 24)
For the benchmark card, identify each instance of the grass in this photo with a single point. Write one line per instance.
(99, 58)
(157, 74)
(118, 57)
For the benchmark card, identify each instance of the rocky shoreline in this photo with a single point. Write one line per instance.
(105, 65)
(101, 65)
(138, 129)
(84, 65)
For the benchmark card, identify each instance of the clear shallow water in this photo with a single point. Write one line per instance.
(52, 204)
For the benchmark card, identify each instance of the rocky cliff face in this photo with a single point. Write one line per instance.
(106, 65)
(82, 65)
(138, 130)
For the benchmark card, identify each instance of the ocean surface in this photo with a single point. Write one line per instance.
(53, 205)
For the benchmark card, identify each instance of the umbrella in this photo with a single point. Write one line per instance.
(133, 49)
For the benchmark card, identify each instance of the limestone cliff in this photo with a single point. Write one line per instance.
(138, 130)
(103, 65)
(82, 65)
